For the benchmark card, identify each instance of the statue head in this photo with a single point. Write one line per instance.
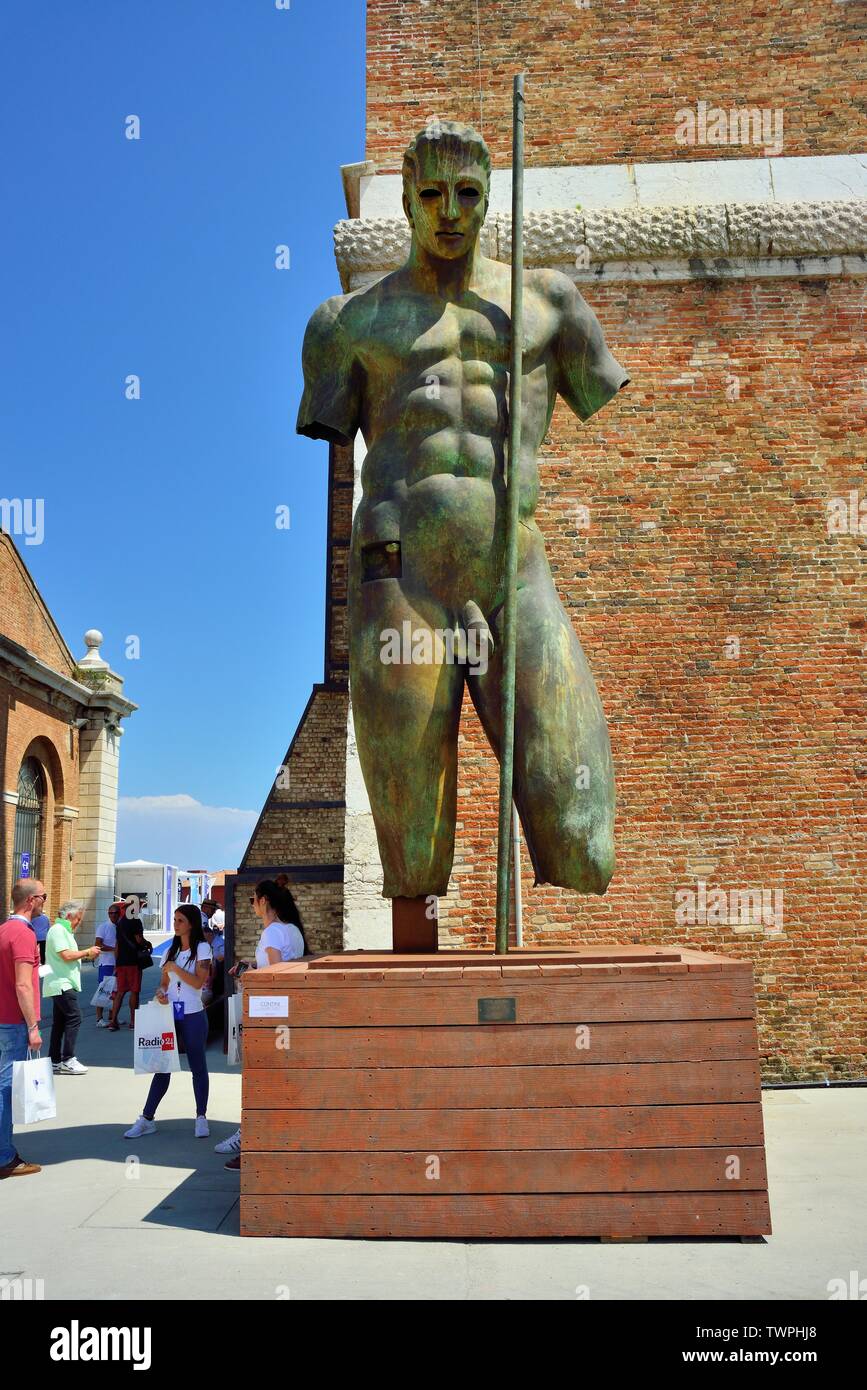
(446, 179)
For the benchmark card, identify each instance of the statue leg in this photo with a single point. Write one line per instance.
(564, 780)
(406, 714)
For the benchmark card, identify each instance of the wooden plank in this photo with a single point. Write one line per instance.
(539, 1215)
(572, 955)
(549, 1000)
(567, 1127)
(524, 1087)
(271, 982)
(499, 1045)
(510, 1170)
(349, 967)
(432, 974)
(604, 953)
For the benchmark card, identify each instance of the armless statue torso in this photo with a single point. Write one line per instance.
(424, 375)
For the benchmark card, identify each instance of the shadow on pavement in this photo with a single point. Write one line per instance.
(141, 1192)
(137, 1190)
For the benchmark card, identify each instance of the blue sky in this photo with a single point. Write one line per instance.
(156, 257)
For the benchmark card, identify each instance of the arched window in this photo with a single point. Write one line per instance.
(29, 817)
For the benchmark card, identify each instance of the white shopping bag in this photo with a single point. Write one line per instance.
(154, 1039)
(236, 1013)
(33, 1091)
(104, 992)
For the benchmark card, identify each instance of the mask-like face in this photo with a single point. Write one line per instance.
(447, 202)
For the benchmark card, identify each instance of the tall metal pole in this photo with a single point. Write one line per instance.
(516, 875)
(510, 616)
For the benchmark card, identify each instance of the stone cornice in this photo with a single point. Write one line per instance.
(18, 659)
(672, 242)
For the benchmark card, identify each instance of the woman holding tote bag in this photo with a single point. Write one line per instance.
(185, 971)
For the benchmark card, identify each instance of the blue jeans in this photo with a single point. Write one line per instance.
(13, 1048)
(192, 1029)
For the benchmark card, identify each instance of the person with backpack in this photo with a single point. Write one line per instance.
(132, 957)
(186, 969)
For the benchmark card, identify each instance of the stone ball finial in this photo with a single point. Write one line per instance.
(93, 640)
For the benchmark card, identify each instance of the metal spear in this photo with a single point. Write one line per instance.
(510, 615)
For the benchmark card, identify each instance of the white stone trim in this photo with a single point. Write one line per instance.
(373, 247)
(20, 660)
(356, 178)
(738, 268)
(720, 240)
(366, 914)
(96, 829)
(802, 178)
(10, 798)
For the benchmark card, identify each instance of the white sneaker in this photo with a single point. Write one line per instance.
(232, 1145)
(55, 1067)
(72, 1068)
(141, 1126)
(202, 1130)
(101, 1023)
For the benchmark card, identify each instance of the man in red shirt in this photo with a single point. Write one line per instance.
(19, 1009)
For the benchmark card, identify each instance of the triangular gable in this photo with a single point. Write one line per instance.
(24, 614)
(271, 797)
(277, 800)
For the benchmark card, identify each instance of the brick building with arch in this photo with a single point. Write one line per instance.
(60, 730)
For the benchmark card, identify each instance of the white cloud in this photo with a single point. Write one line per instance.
(182, 831)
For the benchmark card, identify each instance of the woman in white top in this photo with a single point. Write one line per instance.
(282, 938)
(106, 940)
(185, 971)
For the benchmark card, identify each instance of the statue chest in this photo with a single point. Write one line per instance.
(432, 333)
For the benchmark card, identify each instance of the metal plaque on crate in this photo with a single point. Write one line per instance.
(498, 1010)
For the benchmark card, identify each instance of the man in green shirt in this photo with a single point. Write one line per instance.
(63, 985)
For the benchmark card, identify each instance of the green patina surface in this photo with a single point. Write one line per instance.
(419, 364)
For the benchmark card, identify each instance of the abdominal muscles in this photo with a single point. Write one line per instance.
(439, 473)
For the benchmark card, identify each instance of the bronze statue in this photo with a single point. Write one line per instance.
(419, 363)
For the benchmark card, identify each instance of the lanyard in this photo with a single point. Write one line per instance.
(189, 956)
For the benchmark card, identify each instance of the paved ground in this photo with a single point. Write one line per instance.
(158, 1217)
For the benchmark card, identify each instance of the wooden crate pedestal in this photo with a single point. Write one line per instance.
(608, 1092)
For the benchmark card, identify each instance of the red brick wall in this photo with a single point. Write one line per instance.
(23, 615)
(707, 515)
(747, 772)
(604, 82)
(31, 727)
